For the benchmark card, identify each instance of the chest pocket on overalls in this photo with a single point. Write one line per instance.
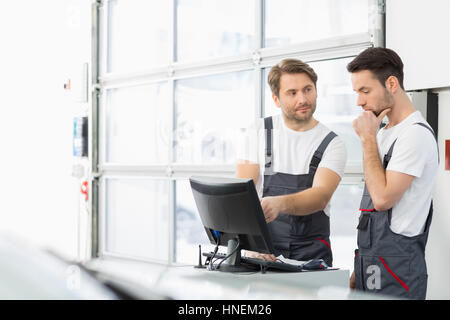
(364, 234)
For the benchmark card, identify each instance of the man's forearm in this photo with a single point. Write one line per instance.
(304, 202)
(374, 172)
(247, 169)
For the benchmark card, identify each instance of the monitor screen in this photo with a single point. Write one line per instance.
(232, 216)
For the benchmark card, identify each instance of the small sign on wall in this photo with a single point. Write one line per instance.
(447, 154)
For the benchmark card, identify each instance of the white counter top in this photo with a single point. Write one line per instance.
(187, 282)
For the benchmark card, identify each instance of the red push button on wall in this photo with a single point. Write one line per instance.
(84, 189)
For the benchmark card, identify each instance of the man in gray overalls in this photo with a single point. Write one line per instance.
(296, 163)
(400, 166)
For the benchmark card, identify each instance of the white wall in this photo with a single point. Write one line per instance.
(419, 31)
(437, 252)
(41, 40)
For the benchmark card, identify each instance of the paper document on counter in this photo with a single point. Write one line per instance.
(291, 261)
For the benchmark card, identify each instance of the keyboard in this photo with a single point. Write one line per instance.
(263, 265)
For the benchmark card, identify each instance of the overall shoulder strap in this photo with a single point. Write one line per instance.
(317, 156)
(429, 129)
(387, 157)
(430, 213)
(268, 126)
(432, 132)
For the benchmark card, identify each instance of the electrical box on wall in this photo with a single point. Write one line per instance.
(447, 154)
(77, 83)
(80, 136)
(427, 103)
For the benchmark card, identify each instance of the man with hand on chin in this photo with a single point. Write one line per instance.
(400, 165)
(296, 164)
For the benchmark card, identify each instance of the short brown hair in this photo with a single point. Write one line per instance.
(290, 66)
(382, 62)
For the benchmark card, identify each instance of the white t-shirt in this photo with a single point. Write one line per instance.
(292, 150)
(415, 153)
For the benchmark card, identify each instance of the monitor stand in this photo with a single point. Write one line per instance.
(233, 263)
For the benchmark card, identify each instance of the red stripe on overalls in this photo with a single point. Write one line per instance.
(324, 242)
(394, 275)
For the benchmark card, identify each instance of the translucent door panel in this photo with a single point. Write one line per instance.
(297, 21)
(214, 28)
(189, 231)
(343, 221)
(210, 114)
(136, 222)
(137, 124)
(138, 36)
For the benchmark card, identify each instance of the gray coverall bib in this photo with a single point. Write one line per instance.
(387, 262)
(297, 237)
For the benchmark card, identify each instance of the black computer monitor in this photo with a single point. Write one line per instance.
(232, 216)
